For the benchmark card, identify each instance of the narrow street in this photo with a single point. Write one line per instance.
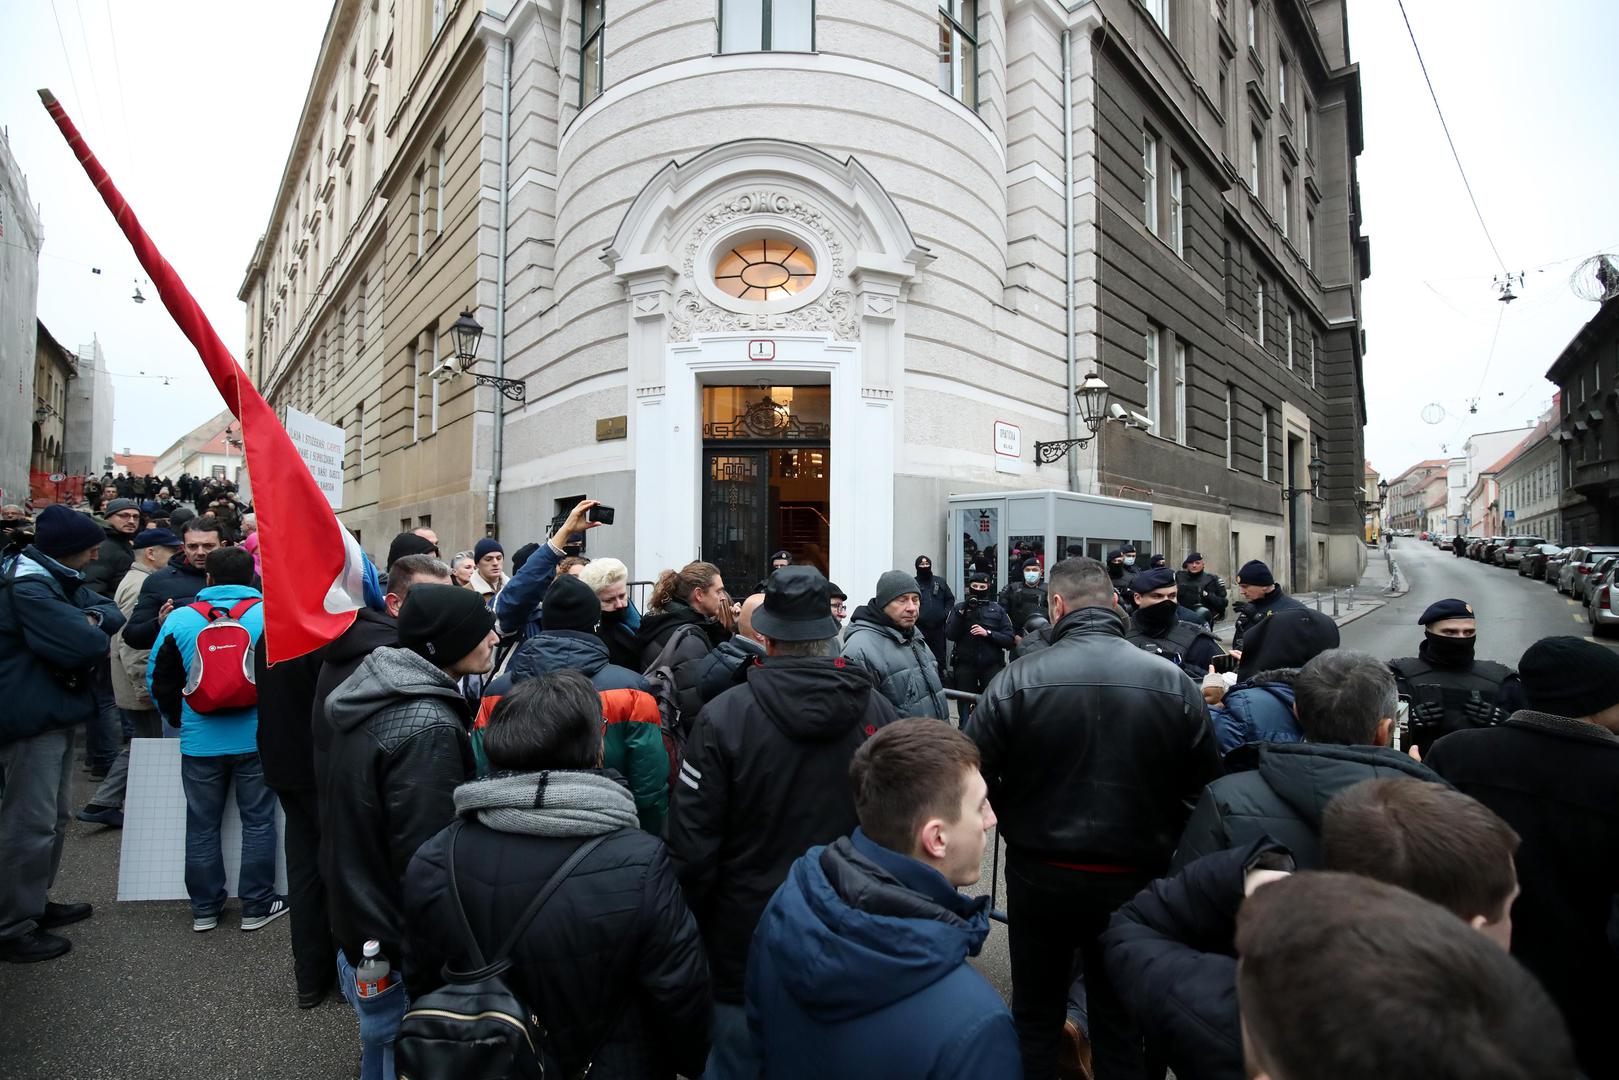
(1513, 612)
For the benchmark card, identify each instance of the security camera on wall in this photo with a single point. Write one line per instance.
(1116, 411)
(444, 372)
(1142, 422)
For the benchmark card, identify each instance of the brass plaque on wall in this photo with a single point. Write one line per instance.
(612, 427)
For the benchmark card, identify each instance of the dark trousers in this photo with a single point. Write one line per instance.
(312, 944)
(1053, 914)
(934, 636)
(971, 680)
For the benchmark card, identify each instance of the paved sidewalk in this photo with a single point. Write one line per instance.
(1345, 605)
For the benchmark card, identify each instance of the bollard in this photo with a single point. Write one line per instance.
(1318, 599)
(1335, 603)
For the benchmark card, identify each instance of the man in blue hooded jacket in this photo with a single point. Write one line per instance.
(859, 965)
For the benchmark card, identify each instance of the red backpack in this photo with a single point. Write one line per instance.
(221, 675)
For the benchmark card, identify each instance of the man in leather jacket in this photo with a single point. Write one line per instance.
(1448, 689)
(1093, 750)
(398, 749)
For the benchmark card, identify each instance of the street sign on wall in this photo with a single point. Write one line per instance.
(321, 446)
(1008, 439)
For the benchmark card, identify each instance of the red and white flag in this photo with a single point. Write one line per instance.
(313, 570)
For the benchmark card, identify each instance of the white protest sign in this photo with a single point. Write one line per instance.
(321, 446)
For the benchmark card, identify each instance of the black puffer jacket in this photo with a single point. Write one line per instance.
(1172, 955)
(1093, 748)
(655, 631)
(371, 630)
(398, 750)
(177, 581)
(117, 555)
(765, 778)
(1253, 614)
(1282, 793)
(613, 964)
(727, 666)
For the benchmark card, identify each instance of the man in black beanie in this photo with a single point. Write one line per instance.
(1261, 598)
(398, 750)
(1552, 772)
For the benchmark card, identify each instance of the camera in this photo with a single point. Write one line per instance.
(600, 514)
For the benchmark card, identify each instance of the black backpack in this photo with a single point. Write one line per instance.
(473, 1027)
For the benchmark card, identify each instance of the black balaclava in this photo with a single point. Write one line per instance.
(1156, 618)
(1449, 652)
(924, 574)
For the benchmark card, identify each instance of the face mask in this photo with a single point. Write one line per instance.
(1031, 577)
(1157, 617)
(977, 596)
(1450, 651)
(923, 573)
(1129, 560)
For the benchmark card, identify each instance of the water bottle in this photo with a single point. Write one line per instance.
(373, 976)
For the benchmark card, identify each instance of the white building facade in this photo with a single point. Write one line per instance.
(88, 441)
(20, 239)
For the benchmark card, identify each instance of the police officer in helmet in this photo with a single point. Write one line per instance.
(1448, 689)
(1157, 627)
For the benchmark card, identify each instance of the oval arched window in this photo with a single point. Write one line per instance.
(765, 269)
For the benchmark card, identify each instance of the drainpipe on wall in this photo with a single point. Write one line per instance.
(1068, 252)
(491, 509)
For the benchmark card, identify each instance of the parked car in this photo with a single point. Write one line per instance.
(1599, 566)
(1532, 564)
(1554, 566)
(1512, 552)
(1487, 552)
(1602, 608)
(1580, 565)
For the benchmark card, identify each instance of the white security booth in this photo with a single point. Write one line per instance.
(995, 531)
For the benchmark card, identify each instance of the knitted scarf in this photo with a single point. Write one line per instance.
(551, 803)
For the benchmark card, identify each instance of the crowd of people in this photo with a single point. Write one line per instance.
(727, 835)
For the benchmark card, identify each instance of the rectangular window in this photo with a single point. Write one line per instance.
(958, 50)
(359, 321)
(1254, 144)
(1177, 209)
(767, 26)
(1264, 443)
(1315, 343)
(1230, 426)
(441, 182)
(1287, 206)
(359, 437)
(1253, 25)
(1259, 313)
(421, 212)
(438, 19)
(1149, 173)
(591, 22)
(1596, 375)
(1154, 380)
(1290, 339)
(1309, 238)
(1228, 105)
(432, 365)
(1309, 123)
(1180, 392)
(1282, 67)
(1159, 10)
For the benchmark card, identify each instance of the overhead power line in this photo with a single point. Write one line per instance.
(1446, 127)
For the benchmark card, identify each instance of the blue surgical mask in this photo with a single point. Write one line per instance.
(1129, 560)
(1031, 577)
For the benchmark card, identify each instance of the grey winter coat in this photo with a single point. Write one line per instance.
(906, 670)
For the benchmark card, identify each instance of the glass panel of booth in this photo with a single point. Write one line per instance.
(1044, 524)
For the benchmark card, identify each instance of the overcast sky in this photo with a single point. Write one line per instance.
(191, 105)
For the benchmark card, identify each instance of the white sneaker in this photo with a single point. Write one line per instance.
(203, 923)
(278, 908)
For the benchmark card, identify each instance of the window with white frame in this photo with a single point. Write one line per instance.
(438, 19)
(1154, 379)
(1286, 207)
(441, 185)
(591, 50)
(421, 212)
(1259, 313)
(1253, 25)
(1315, 344)
(1149, 174)
(1177, 207)
(419, 378)
(1230, 426)
(1180, 392)
(1159, 10)
(958, 50)
(1282, 69)
(1309, 123)
(432, 365)
(1309, 238)
(1264, 443)
(1255, 142)
(1290, 339)
(767, 26)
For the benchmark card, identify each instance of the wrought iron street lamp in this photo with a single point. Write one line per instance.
(1091, 396)
(468, 332)
(1316, 468)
